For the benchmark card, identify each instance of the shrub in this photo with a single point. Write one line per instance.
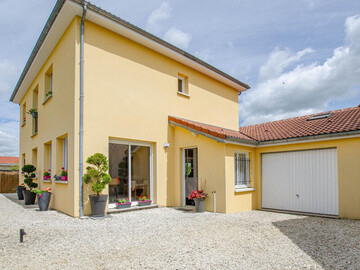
(29, 175)
(97, 174)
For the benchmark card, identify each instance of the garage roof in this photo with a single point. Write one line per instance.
(314, 126)
(339, 121)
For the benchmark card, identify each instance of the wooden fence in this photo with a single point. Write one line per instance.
(9, 181)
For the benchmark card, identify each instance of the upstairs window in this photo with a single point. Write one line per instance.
(49, 83)
(242, 165)
(23, 121)
(183, 84)
(65, 153)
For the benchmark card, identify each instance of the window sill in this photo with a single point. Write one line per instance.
(183, 94)
(238, 190)
(23, 124)
(61, 182)
(47, 99)
(46, 181)
(32, 136)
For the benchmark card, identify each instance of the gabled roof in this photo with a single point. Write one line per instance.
(62, 14)
(334, 123)
(221, 134)
(9, 160)
(338, 121)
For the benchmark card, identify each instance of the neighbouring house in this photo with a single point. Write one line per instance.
(167, 122)
(8, 163)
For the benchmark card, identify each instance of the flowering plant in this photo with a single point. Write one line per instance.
(22, 185)
(144, 198)
(41, 191)
(32, 112)
(123, 201)
(200, 194)
(63, 172)
(47, 173)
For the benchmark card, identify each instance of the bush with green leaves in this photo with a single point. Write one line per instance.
(28, 171)
(97, 174)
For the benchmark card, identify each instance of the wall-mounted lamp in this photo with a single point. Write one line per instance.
(166, 145)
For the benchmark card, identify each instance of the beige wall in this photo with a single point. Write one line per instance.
(56, 119)
(211, 168)
(129, 92)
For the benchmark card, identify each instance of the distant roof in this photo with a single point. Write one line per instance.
(210, 130)
(9, 160)
(73, 8)
(339, 121)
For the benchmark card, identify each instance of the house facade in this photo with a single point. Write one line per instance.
(167, 121)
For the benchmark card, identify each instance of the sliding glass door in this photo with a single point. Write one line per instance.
(130, 167)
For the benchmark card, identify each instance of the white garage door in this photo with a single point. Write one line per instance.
(304, 181)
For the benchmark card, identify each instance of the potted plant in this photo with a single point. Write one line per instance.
(43, 196)
(48, 94)
(199, 197)
(47, 175)
(143, 200)
(123, 203)
(33, 113)
(20, 191)
(24, 121)
(98, 176)
(63, 175)
(29, 175)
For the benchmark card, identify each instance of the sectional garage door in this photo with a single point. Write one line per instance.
(303, 181)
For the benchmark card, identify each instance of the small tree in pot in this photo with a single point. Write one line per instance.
(98, 176)
(28, 171)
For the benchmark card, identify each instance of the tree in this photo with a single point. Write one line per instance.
(29, 174)
(97, 174)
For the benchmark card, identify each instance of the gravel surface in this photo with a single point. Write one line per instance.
(165, 238)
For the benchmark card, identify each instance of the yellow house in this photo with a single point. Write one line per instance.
(167, 121)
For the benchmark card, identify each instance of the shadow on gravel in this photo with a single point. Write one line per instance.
(333, 243)
(13, 197)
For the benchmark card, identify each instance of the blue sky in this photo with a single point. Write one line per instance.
(299, 57)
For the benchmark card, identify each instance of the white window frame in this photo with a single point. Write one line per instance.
(51, 82)
(65, 153)
(183, 90)
(50, 157)
(241, 186)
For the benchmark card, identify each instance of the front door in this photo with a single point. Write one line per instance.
(190, 173)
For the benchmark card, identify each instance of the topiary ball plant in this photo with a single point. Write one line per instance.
(29, 174)
(97, 174)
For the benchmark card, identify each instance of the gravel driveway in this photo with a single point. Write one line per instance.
(165, 238)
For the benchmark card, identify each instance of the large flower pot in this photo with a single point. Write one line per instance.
(63, 178)
(20, 193)
(29, 197)
(199, 205)
(44, 201)
(98, 205)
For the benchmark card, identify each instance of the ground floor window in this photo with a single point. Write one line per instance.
(130, 170)
(242, 168)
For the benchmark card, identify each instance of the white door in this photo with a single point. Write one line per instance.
(303, 181)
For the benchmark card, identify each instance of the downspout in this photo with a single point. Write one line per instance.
(81, 134)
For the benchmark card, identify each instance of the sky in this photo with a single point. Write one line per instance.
(299, 57)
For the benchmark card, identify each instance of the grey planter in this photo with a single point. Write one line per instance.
(98, 205)
(123, 205)
(199, 205)
(29, 197)
(44, 201)
(20, 193)
(143, 203)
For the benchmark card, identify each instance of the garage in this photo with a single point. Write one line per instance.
(301, 181)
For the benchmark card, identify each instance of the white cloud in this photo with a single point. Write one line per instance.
(306, 88)
(177, 37)
(8, 74)
(205, 54)
(157, 16)
(9, 142)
